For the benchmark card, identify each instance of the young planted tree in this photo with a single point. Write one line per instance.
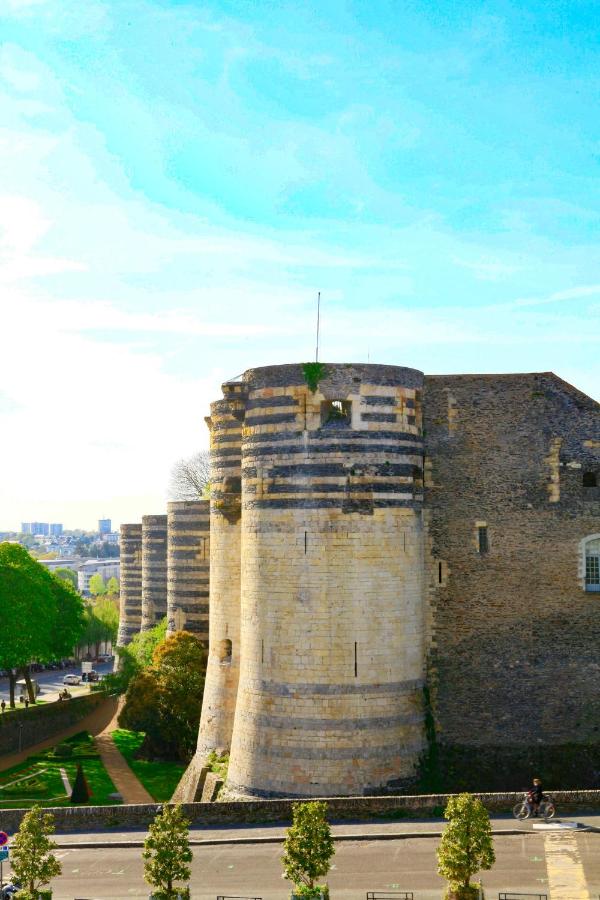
(308, 848)
(97, 585)
(167, 854)
(32, 853)
(112, 587)
(466, 846)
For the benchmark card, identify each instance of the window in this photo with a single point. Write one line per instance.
(590, 479)
(482, 539)
(592, 565)
(225, 651)
(336, 413)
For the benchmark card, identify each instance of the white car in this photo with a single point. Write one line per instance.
(72, 679)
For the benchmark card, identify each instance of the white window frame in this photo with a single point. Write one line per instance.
(589, 589)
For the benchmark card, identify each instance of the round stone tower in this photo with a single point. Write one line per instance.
(188, 563)
(154, 570)
(331, 645)
(220, 692)
(130, 613)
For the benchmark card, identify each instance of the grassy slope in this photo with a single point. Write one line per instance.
(159, 778)
(50, 790)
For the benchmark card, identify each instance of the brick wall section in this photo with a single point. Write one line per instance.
(514, 637)
(42, 722)
(95, 818)
(130, 613)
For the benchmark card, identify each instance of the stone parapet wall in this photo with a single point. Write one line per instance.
(94, 818)
(22, 728)
(188, 567)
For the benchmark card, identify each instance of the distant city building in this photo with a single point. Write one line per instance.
(62, 563)
(108, 568)
(104, 526)
(56, 529)
(111, 538)
(42, 528)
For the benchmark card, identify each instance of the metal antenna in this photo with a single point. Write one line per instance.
(318, 324)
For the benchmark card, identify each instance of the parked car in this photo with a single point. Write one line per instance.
(93, 675)
(72, 679)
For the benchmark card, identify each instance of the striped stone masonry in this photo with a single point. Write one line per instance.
(188, 566)
(130, 613)
(154, 570)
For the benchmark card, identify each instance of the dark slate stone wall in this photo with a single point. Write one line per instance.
(515, 652)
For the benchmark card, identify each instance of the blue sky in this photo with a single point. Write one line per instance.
(178, 179)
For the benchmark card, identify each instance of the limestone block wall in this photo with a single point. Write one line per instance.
(154, 570)
(130, 613)
(515, 636)
(220, 692)
(188, 566)
(332, 615)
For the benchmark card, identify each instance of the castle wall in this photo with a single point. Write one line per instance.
(188, 566)
(130, 613)
(514, 636)
(332, 625)
(154, 570)
(220, 692)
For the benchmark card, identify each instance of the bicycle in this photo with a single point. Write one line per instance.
(524, 809)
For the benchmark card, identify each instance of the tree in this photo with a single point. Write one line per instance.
(97, 586)
(167, 853)
(144, 643)
(31, 854)
(42, 616)
(113, 587)
(164, 700)
(101, 624)
(67, 575)
(308, 847)
(81, 792)
(466, 846)
(190, 477)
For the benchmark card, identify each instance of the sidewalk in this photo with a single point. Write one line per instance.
(274, 834)
(127, 784)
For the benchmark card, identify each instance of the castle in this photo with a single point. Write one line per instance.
(385, 548)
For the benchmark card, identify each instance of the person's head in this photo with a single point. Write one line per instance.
(537, 781)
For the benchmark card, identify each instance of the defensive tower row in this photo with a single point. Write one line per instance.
(165, 571)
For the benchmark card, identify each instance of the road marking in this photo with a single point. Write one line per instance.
(566, 876)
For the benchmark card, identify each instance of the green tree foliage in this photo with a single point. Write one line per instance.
(32, 853)
(97, 585)
(67, 575)
(81, 792)
(164, 700)
(308, 847)
(113, 587)
(101, 623)
(466, 846)
(42, 616)
(144, 643)
(167, 853)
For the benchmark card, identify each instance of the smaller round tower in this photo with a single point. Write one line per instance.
(130, 614)
(154, 570)
(188, 567)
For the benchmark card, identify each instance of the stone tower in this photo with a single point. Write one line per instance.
(316, 656)
(188, 563)
(154, 570)
(130, 613)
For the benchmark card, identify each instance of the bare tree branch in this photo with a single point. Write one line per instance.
(190, 478)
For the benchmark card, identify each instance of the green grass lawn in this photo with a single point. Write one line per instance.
(159, 778)
(45, 786)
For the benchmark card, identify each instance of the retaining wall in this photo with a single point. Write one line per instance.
(95, 818)
(37, 723)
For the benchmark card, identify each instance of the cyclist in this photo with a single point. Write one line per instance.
(535, 796)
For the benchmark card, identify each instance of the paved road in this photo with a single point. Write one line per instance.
(564, 866)
(52, 681)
